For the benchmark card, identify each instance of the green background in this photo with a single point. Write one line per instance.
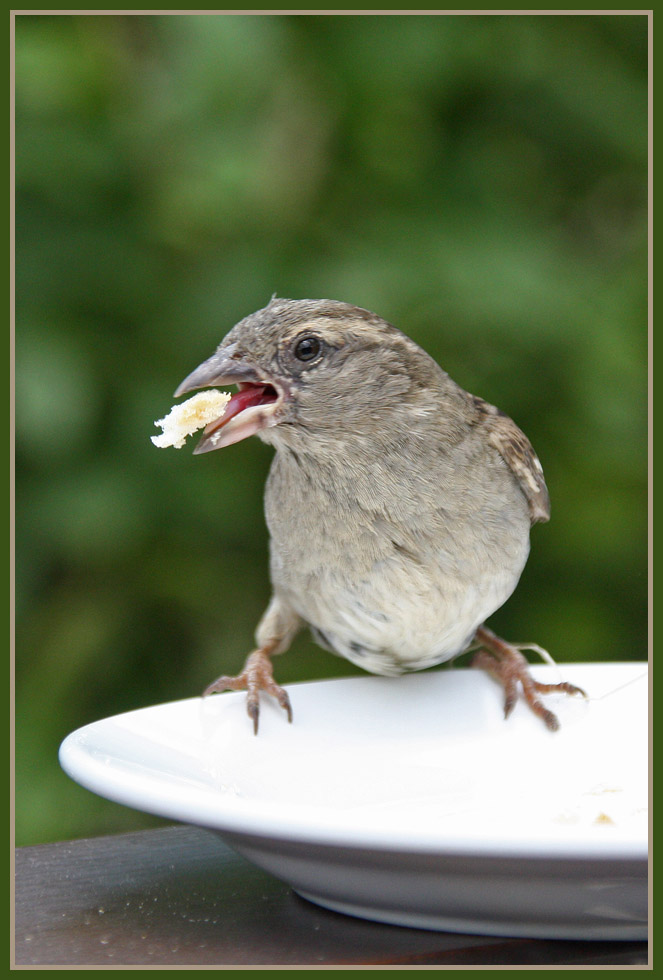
(479, 181)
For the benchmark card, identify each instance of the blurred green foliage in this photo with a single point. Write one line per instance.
(480, 181)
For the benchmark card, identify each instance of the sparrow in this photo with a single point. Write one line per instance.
(398, 505)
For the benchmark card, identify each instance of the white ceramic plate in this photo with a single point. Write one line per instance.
(411, 800)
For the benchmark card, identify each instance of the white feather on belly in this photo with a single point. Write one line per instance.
(388, 630)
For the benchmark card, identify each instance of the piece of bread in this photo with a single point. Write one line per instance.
(189, 416)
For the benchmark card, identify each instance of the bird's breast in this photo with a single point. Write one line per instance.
(385, 591)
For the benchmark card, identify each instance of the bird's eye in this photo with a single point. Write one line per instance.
(307, 348)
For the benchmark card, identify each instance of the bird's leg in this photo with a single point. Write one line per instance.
(274, 635)
(257, 676)
(505, 662)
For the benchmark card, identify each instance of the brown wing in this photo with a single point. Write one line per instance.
(517, 452)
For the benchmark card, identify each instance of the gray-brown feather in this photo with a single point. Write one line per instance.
(398, 505)
(517, 452)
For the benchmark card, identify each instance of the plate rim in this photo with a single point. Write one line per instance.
(278, 821)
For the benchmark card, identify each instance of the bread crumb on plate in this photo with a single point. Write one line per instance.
(189, 416)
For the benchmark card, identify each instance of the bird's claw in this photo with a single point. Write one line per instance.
(506, 663)
(257, 676)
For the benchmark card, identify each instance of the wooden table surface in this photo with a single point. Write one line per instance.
(178, 896)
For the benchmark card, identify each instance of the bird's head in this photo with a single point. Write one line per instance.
(315, 370)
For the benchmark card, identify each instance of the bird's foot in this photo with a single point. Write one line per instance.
(505, 662)
(257, 676)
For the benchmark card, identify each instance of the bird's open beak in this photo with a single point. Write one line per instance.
(253, 407)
